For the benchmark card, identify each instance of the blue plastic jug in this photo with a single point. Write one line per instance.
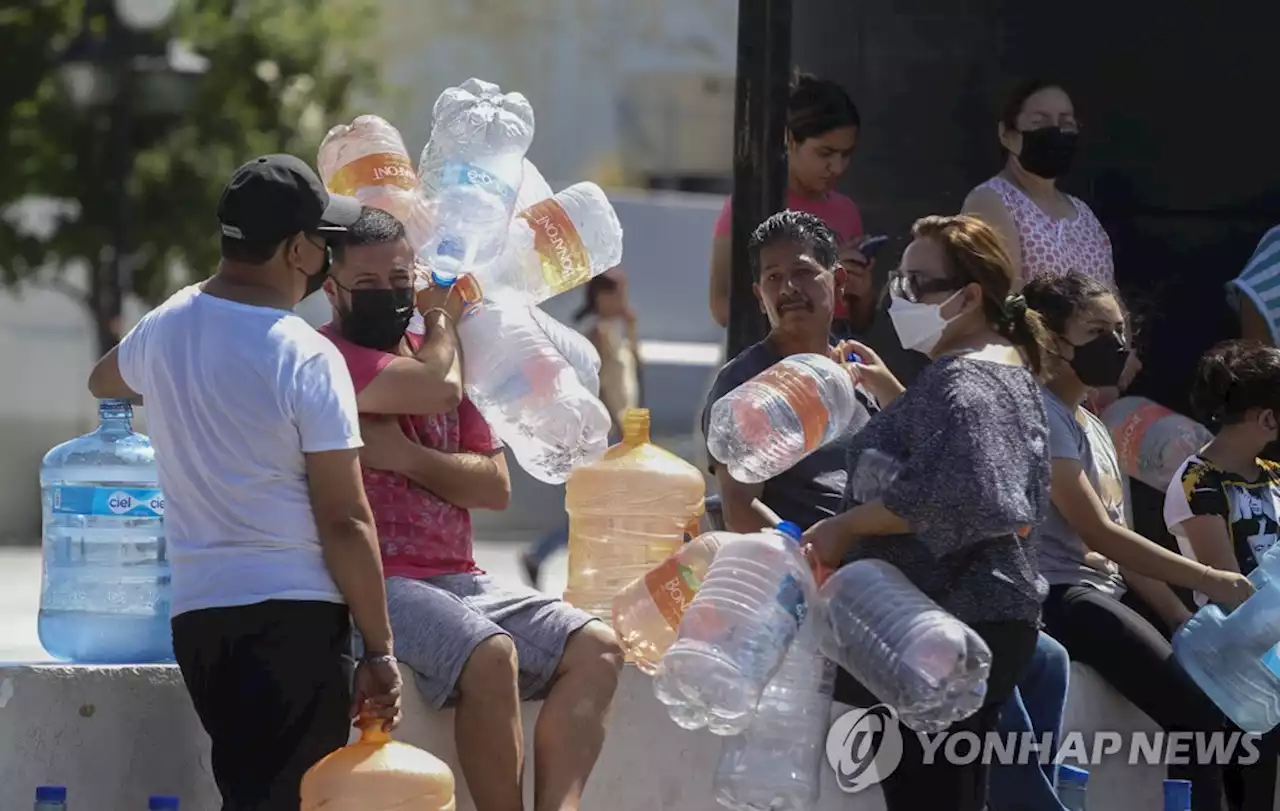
(1235, 658)
(104, 598)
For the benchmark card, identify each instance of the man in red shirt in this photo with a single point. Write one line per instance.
(429, 458)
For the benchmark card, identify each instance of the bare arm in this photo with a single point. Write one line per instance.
(721, 267)
(1160, 597)
(473, 481)
(985, 204)
(735, 500)
(429, 382)
(1211, 542)
(1075, 498)
(350, 542)
(1252, 325)
(106, 382)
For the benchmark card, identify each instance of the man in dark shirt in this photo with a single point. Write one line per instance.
(798, 277)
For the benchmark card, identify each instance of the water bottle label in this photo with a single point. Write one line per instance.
(561, 252)
(1271, 659)
(802, 393)
(672, 586)
(378, 169)
(791, 598)
(454, 173)
(132, 502)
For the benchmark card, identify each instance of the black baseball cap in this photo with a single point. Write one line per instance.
(275, 196)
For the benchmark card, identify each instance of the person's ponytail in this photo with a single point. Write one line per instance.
(1025, 329)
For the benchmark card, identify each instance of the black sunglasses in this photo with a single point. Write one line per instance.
(911, 286)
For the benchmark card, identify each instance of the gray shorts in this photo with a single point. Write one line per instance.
(439, 621)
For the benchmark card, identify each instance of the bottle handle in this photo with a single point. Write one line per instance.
(371, 730)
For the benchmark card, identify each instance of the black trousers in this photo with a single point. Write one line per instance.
(941, 785)
(1114, 638)
(271, 683)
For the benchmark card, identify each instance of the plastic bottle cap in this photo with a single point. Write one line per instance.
(1073, 775)
(1177, 795)
(790, 529)
(854, 357)
(161, 803)
(51, 794)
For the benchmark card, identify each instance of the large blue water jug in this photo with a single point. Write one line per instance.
(1235, 658)
(104, 598)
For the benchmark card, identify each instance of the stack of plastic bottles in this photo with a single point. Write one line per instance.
(1235, 658)
(628, 512)
(769, 423)
(492, 220)
(104, 598)
(735, 633)
(1152, 441)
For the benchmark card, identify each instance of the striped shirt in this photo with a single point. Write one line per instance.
(1260, 282)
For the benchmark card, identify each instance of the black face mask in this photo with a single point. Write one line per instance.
(316, 280)
(1100, 362)
(377, 319)
(1048, 151)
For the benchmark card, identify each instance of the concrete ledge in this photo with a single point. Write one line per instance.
(114, 735)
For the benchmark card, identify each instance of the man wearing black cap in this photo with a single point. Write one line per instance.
(270, 535)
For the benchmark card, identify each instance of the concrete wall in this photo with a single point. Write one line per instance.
(115, 735)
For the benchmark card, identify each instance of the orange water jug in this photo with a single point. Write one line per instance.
(647, 613)
(377, 774)
(628, 512)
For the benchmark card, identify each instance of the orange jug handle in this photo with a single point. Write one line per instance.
(371, 730)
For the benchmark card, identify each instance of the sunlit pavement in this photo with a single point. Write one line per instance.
(20, 591)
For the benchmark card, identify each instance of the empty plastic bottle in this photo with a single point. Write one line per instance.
(530, 395)
(1177, 795)
(628, 512)
(367, 159)
(104, 596)
(533, 187)
(51, 798)
(647, 613)
(575, 347)
(470, 171)
(557, 244)
(736, 631)
(1072, 785)
(1235, 658)
(158, 802)
(926, 664)
(780, 416)
(775, 764)
(1152, 441)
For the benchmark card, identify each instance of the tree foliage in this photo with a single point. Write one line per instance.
(280, 73)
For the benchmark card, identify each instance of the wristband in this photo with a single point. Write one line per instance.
(380, 659)
(1203, 576)
(440, 310)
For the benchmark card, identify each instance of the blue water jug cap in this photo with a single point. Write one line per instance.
(1073, 775)
(51, 794)
(1177, 795)
(161, 803)
(791, 529)
(854, 357)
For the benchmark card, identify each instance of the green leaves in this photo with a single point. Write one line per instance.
(280, 74)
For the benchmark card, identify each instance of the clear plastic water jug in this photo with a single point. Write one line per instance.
(1152, 441)
(1235, 658)
(104, 596)
(775, 764)
(735, 633)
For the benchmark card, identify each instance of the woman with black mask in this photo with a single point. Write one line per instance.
(1046, 231)
(1104, 579)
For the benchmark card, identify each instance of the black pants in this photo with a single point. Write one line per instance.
(940, 785)
(271, 683)
(1112, 637)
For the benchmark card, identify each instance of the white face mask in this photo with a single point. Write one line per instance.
(919, 325)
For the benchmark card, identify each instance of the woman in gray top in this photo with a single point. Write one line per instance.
(968, 443)
(1090, 557)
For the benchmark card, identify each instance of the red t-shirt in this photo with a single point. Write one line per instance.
(421, 534)
(836, 210)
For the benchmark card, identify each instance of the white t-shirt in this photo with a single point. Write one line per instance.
(235, 395)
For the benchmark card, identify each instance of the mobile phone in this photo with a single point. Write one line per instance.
(870, 246)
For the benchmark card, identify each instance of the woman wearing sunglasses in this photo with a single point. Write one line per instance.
(968, 440)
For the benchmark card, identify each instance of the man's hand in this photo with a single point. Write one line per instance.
(451, 299)
(377, 692)
(859, 272)
(825, 544)
(385, 445)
